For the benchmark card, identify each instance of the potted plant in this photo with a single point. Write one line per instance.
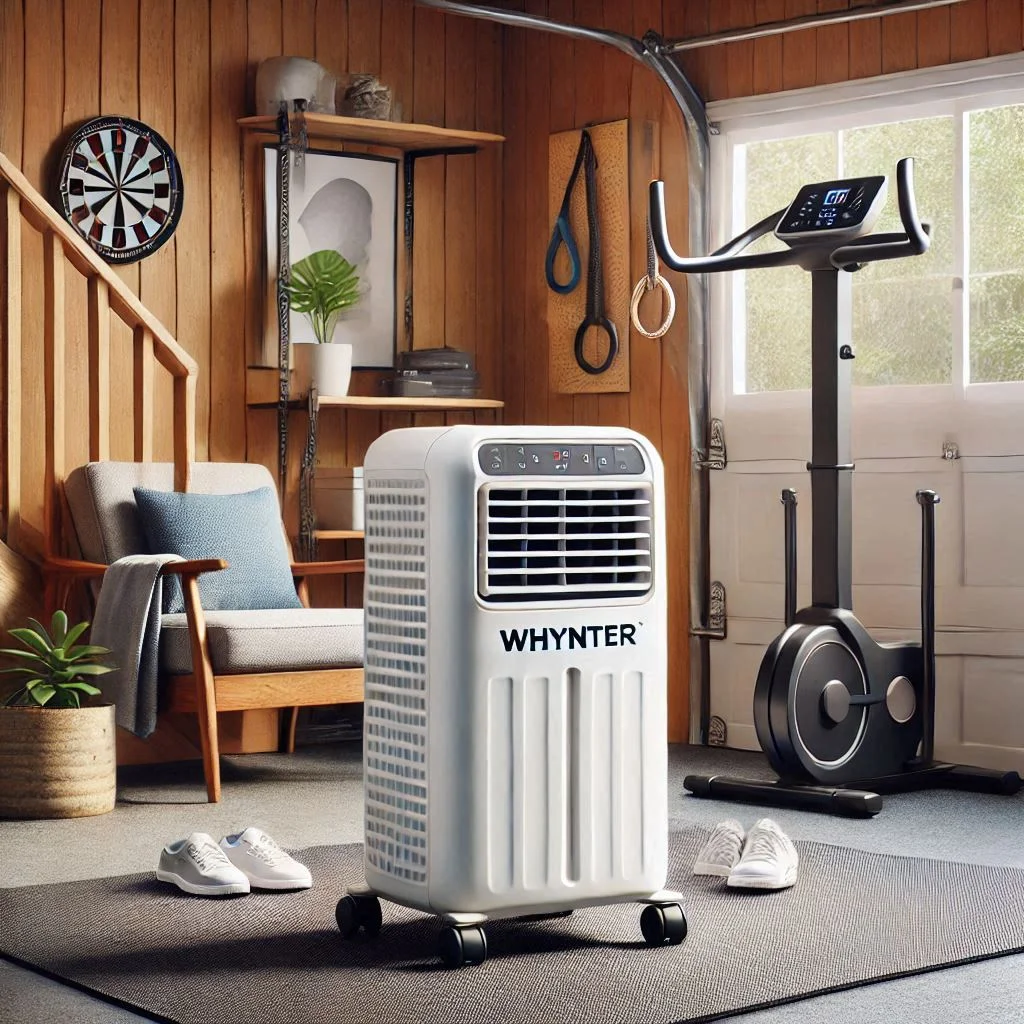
(322, 285)
(57, 754)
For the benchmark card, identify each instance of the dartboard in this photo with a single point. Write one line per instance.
(120, 187)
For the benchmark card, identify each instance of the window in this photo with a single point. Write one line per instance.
(953, 317)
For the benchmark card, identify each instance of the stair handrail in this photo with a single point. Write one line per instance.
(20, 200)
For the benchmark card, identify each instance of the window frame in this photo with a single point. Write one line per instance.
(948, 90)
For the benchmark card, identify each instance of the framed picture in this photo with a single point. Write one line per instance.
(347, 202)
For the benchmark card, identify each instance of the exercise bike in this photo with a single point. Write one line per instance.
(841, 718)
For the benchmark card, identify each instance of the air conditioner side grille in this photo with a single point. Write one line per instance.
(552, 544)
(395, 720)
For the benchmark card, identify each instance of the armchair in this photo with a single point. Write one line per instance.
(213, 661)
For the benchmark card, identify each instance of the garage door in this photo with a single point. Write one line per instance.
(938, 393)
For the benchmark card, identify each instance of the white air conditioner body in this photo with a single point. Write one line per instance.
(515, 730)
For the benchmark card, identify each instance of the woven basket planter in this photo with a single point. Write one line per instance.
(57, 762)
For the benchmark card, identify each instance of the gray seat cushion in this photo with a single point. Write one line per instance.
(268, 640)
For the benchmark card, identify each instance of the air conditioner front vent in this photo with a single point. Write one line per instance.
(562, 544)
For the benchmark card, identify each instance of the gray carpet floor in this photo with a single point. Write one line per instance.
(315, 798)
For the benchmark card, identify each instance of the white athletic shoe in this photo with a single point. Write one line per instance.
(198, 865)
(263, 862)
(722, 850)
(768, 861)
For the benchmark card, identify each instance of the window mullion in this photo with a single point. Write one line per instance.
(961, 253)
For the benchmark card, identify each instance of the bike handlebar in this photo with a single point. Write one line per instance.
(884, 246)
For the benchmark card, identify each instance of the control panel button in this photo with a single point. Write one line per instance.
(576, 460)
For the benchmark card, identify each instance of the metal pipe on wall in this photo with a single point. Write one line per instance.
(774, 28)
(652, 53)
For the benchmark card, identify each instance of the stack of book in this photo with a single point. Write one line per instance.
(435, 373)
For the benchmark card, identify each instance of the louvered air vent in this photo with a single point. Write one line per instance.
(562, 544)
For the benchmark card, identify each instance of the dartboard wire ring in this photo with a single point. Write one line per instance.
(122, 177)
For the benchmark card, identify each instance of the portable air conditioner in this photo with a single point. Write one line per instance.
(515, 732)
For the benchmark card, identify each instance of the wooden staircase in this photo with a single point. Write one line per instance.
(30, 502)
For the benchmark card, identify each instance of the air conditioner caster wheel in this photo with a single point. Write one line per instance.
(355, 912)
(663, 924)
(459, 947)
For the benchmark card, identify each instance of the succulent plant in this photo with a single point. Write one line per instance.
(54, 670)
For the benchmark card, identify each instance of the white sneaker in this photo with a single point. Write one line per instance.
(263, 862)
(722, 850)
(198, 865)
(768, 861)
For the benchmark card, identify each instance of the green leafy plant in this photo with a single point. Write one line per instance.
(55, 671)
(322, 285)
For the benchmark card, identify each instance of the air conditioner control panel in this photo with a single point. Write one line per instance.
(509, 458)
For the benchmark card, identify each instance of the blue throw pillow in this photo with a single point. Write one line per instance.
(243, 529)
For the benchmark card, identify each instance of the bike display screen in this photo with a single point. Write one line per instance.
(834, 206)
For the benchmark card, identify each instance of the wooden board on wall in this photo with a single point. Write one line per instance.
(566, 312)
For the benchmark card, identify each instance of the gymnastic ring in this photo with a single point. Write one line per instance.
(639, 291)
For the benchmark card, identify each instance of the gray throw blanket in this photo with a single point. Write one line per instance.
(127, 620)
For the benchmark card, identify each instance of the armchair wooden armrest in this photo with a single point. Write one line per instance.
(71, 568)
(193, 568)
(337, 568)
(75, 569)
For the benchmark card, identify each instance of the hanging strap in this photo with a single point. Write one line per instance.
(595, 315)
(283, 307)
(647, 284)
(562, 233)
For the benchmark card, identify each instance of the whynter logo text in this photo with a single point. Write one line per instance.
(569, 638)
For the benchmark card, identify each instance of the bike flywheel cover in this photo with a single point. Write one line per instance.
(805, 734)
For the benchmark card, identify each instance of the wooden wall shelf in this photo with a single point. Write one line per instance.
(338, 534)
(386, 403)
(409, 138)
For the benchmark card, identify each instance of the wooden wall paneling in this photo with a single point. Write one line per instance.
(461, 270)
(719, 20)
(675, 417)
(739, 56)
(12, 78)
(364, 37)
(489, 212)
(590, 108)
(899, 42)
(396, 56)
(298, 28)
(865, 48)
(81, 102)
(561, 117)
(767, 71)
(264, 38)
(933, 37)
(193, 235)
(158, 275)
(1004, 26)
(689, 20)
(833, 46)
(533, 192)
(428, 323)
(119, 94)
(228, 292)
(43, 98)
(514, 240)
(613, 408)
(799, 49)
(331, 39)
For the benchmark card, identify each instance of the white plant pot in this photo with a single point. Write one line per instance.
(332, 369)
